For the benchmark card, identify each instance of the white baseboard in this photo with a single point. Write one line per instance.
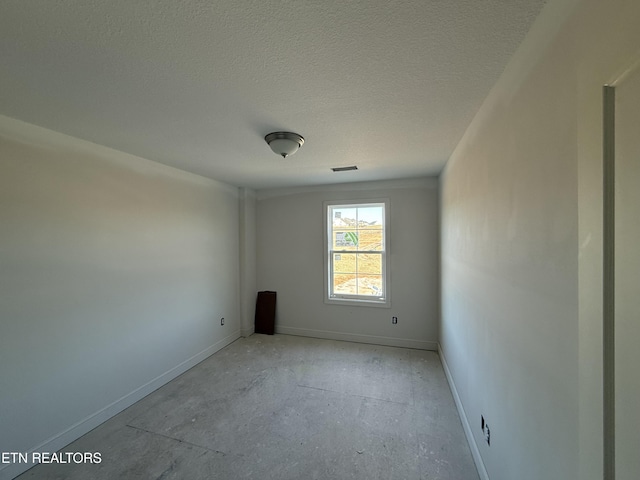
(475, 452)
(64, 438)
(247, 332)
(354, 337)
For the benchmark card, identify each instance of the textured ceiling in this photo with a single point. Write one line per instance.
(389, 86)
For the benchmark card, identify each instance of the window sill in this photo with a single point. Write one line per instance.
(354, 302)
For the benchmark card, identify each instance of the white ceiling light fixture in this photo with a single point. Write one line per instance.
(284, 143)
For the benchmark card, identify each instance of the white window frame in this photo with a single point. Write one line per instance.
(356, 300)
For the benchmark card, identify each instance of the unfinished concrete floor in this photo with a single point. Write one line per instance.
(283, 407)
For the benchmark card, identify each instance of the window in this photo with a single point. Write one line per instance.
(356, 253)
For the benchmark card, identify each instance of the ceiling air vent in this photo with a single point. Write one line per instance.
(344, 169)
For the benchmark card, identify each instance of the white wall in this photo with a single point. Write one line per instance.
(627, 273)
(521, 248)
(290, 261)
(114, 273)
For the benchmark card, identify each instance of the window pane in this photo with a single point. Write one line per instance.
(344, 284)
(370, 285)
(369, 216)
(344, 263)
(343, 217)
(345, 239)
(369, 263)
(370, 239)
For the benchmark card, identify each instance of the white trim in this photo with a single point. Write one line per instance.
(358, 338)
(473, 446)
(248, 332)
(357, 302)
(64, 438)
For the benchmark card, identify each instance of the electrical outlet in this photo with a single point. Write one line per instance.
(394, 320)
(222, 321)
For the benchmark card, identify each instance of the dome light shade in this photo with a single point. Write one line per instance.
(284, 143)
